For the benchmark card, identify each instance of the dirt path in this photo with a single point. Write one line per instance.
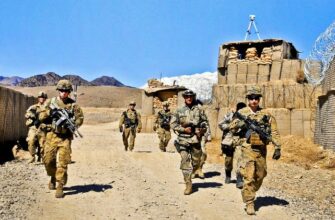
(105, 182)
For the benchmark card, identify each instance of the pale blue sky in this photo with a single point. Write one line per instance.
(136, 40)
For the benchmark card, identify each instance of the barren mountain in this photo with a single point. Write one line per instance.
(77, 80)
(11, 81)
(107, 81)
(48, 79)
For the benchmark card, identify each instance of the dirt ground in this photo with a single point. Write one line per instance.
(105, 182)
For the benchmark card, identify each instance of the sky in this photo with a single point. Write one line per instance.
(134, 40)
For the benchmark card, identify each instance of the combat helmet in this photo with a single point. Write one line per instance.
(254, 90)
(42, 94)
(64, 84)
(132, 103)
(189, 93)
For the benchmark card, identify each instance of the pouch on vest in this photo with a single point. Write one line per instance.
(255, 139)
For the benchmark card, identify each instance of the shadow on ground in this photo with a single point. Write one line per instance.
(212, 174)
(197, 186)
(87, 188)
(269, 201)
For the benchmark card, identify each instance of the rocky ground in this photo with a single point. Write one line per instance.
(20, 184)
(107, 183)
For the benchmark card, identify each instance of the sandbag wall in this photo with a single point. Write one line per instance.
(285, 93)
(298, 122)
(278, 94)
(325, 113)
(13, 106)
(248, 72)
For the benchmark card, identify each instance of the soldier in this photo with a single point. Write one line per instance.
(59, 136)
(205, 136)
(162, 126)
(229, 144)
(253, 167)
(36, 136)
(186, 122)
(129, 124)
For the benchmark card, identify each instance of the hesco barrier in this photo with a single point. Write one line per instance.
(325, 112)
(13, 106)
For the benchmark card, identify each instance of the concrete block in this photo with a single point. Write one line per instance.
(231, 73)
(275, 70)
(297, 123)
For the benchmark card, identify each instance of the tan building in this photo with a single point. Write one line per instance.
(154, 96)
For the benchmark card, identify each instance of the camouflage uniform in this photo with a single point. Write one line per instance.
(58, 139)
(36, 134)
(204, 136)
(253, 164)
(230, 144)
(162, 126)
(131, 120)
(227, 140)
(188, 145)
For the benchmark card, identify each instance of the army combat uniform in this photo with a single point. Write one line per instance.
(57, 151)
(187, 144)
(162, 127)
(131, 120)
(36, 134)
(229, 145)
(204, 136)
(253, 163)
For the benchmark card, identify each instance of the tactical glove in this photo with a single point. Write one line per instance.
(276, 154)
(138, 130)
(121, 129)
(240, 124)
(154, 128)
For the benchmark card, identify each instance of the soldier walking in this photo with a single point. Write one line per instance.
(186, 122)
(162, 126)
(230, 143)
(204, 136)
(253, 167)
(36, 136)
(59, 136)
(129, 124)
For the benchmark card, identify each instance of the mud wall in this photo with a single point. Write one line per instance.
(13, 106)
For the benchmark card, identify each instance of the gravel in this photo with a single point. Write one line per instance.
(19, 183)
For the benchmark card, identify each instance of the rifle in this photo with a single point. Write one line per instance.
(256, 127)
(63, 119)
(166, 121)
(127, 121)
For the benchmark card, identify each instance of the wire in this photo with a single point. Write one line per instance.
(322, 54)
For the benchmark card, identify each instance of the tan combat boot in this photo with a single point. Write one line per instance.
(32, 160)
(188, 189)
(200, 173)
(59, 191)
(250, 208)
(52, 183)
(188, 183)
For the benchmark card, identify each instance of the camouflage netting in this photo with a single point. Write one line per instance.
(13, 106)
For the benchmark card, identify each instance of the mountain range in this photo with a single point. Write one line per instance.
(51, 79)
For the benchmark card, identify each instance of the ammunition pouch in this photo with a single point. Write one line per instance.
(165, 125)
(177, 146)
